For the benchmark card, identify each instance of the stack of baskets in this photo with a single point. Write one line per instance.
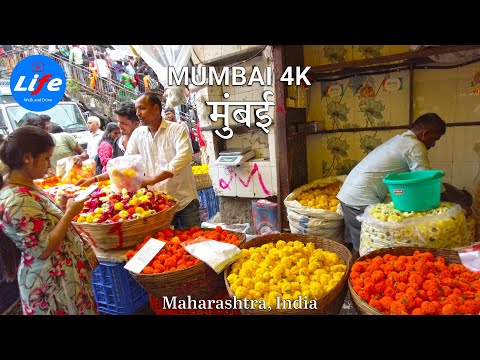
(203, 181)
(451, 257)
(331, 303)
(199, 281)
(125, 234)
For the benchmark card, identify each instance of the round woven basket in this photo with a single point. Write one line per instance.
(451, 257)
(330, 303)
(125, 234)
(202, 181)
(198, 281)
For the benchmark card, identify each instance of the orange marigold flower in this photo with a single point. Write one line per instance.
(364, 295)
(357, 283)
(388, 257)
(386, 301)
(401, 286)
(417, 311)
(449, 309)
(472, 307)
(389, 292)
(397, 308)
(428, 308)
(458, 268)
(413, 286)
(380, 287)
(359, 266)
(376, 304)
(455, 299)
(378, 276)
(147, 270)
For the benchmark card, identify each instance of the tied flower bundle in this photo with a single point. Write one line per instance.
(420, 284)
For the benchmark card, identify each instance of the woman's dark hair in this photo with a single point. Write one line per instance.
(127, 109)
(111, 126)
(23, 140)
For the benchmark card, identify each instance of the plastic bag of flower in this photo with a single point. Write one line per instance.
(384, 226)
(312, 208)
(126, 172)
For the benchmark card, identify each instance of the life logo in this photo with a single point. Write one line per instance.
(38, 83)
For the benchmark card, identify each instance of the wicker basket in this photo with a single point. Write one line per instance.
(202, 181)
(125, 234)
(329, 304)
(451, 257)
(198, 281)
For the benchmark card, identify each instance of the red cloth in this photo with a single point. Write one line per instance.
(201, 142)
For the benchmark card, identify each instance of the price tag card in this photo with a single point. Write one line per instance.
(144, 255)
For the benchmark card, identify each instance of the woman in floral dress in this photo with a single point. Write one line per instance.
(55, 270)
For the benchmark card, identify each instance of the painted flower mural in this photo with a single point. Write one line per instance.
(371, 51)
(337, 112)
(372, 109)
(344, 167)
(369, 142)
(335, 53)
(337, 146)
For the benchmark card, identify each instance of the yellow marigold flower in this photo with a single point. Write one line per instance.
(256, 257)
(312, 267)
(324, 279)
(286, 262)
(241, 292)
(287, 289)
(297, 294)
(338, 276)
(294, 270)
(298, 245)
(304, 271)
(266, 276)
(295, 285)
(302, 263)
(273, 281)
(332, 283)
(231, 278)
(338, 268)
(248, 283)
(280, 244)
(261, 287)
(320, 271)
(317, 290)
(302, 279)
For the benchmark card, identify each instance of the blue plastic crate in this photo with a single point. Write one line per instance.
(115, 290)
(209, 200)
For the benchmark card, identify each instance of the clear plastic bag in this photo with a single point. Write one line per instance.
(73, 173)
(447, 229)
(126, 172)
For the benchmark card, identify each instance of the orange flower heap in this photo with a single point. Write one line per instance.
(420, 284)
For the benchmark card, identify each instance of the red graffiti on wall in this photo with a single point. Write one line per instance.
(225, 184)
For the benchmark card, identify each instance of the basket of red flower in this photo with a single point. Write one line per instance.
(413, 281)
(176, 274)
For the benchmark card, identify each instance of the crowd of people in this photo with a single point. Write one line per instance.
(38, 244)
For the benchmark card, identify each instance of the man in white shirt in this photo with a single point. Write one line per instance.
(167, 153)
(93, 124)
(363, 185)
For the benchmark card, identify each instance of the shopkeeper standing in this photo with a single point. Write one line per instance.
(402, 153)
(166, 150)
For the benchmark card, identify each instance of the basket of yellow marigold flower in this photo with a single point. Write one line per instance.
(413, 281)
(289, 274)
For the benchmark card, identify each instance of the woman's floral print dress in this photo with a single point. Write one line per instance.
(61, 284)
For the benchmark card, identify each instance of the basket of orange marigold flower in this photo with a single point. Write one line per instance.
(175, 273)
(414, 281)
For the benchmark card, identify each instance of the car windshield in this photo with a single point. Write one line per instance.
(68, 116)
